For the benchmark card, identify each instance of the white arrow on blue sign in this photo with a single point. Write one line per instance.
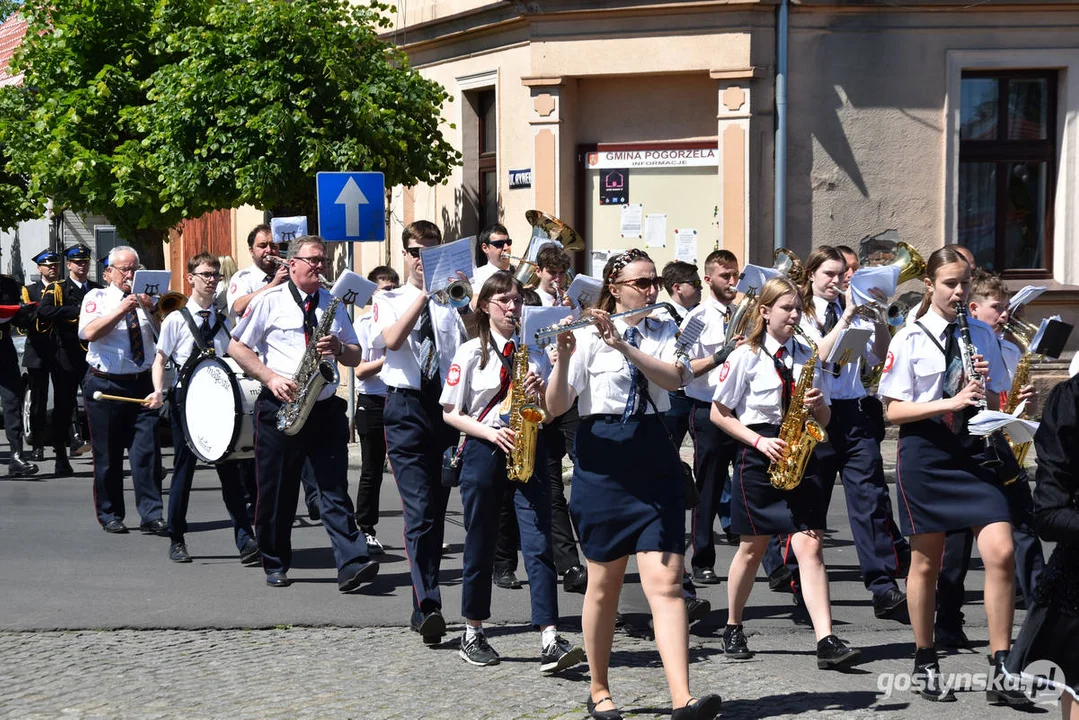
(351, 206)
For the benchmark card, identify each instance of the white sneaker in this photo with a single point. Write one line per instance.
(374, 547)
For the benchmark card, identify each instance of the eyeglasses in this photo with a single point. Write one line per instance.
(509, 302)
(124, 270)
(313, 261)
(500, 243)
(208, 276)
(413, 251)
(642, 283)
(695, 284)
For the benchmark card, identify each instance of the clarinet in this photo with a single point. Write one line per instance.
(966, 350)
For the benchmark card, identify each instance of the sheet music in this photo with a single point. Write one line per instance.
(535, 318)
(441, 263)
(989, 421)
(353, 289)
(584, 291)
(755, 276)
(151, 282)
(1025, 295)
(850, 346)
(884, 278)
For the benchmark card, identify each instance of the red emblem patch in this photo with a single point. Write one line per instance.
(233, 288)
(889, 361)
(374, 313)
(91, 306)
(724, 371)
(248, 310)
(454, 375)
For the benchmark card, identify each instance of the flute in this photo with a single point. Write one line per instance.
(545, 334)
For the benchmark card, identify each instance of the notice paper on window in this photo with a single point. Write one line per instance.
(685, 245)
(655, 230)
(441, 263)
(599, 259)
(631, 224)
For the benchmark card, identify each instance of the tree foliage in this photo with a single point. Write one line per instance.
(151, 111)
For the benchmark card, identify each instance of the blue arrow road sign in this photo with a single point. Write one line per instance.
(351, 206)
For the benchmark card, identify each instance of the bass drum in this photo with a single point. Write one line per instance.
(217, 406)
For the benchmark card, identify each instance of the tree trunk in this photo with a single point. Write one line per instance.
(150, 244)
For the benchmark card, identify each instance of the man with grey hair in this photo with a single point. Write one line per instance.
(120, 355)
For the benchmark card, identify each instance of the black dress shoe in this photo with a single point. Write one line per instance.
(705, 576)
(833, 653)
(178, 553)
(732, 539)
(890, 603)
(430, 625)
(697, 608)
(356, 573)
(37, 454)
(78, 446)
(780, 579)
(62, 468)
(249, 553)
(277, 579)
(950, 637)
(705, 708)
(1005, 690)
(575, 580)
(115, 527)
(19, 467)
(507, 580)
(313, 512)
(926, 679)
(602, 714)
(154, 527)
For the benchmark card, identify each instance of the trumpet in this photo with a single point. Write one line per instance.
(456, 295)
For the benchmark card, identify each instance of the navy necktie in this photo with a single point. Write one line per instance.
(638, 383)
(786, 376)
(428, 354)
(134, 335)
(206, 328)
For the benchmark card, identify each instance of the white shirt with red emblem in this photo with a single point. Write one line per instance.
(402, 366)
(245, 282)
(111, 353)
(750, 384)
(712, 338)
(470, 388)
(848, 386)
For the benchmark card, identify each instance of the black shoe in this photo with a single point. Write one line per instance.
(62, 467)
(780, 579)
(951, 637)
(926, 679)
(833, 653)
(705, 576)
(178, 553)
(249, 553)
(115, 527)
(602, 714)
(37, 454)
(734, 643)
(19, 467)
(312, 512)
(277, 579)
(78, 446)
(355, 574)
(1005, 689)
(705, 708)
(731, 538)
(697, 608)
(506, 580)
(575, 580)
(890, 603)
(430, 625)
(154, 527)
(560, 655)
(477, 651)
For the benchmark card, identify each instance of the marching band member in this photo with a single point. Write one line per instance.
(714, 450)
(264, 273)
(552, 264)
(941, 482)
(493, 247)
(421, 338)
(477, 400)
(119, 357)
(370, 403)
(628, 490)
(757, 383)
(60, 306)
(855, 426)
(13, 314)
(183, 339)
(269, 343)
(39, 358)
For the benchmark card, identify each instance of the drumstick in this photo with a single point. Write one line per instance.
(102, 396)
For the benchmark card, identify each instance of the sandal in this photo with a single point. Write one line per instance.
(602, 714)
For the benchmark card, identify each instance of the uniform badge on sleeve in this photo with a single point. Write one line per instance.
(232, 288)
(889, 361)
(91, 306)
(374, 313)
(454, 375)
(725, 371)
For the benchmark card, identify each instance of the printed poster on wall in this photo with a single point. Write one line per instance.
(613, 186)
(685, 245)
(631, 222)
(655, 230)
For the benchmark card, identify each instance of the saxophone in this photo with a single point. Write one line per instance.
(800, 431)
(1022, 377)
(525, 418)
(311, 376)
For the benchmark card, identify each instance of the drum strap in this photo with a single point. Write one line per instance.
(196, 331)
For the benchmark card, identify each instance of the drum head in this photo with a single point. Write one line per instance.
(211, 409)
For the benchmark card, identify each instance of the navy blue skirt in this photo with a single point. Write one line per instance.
(628, 488)
(941, 485)
(758, 508)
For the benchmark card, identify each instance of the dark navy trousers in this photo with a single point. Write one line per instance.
(183, 472)
(279, 460)
(483, 485)
(713, 453)
(416, 436)
(118, 426)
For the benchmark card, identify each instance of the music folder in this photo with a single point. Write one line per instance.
(850, 345)
(584, 291)
(353, 289)
(1051, 337)
(151, 282)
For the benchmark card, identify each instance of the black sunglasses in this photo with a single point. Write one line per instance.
(500, 243)
(642, 283)
(413, 251)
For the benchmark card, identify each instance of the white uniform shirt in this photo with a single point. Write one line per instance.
(848, 386)
(176, 341)
(372, 351)
(714, 335)
(751, 387)
(600, 374)
(546, 298)
(111, 353)
(481, 274)
(273, 328)
(245, 282)
(402, 366)
(914, 368)
(470, 388)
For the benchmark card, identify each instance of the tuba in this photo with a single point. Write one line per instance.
(800, 431)
(311, 376)
(168, 303)
(525, 419)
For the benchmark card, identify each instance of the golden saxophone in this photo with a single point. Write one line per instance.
(799, 430)
(525, 419)
(1023, 334)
